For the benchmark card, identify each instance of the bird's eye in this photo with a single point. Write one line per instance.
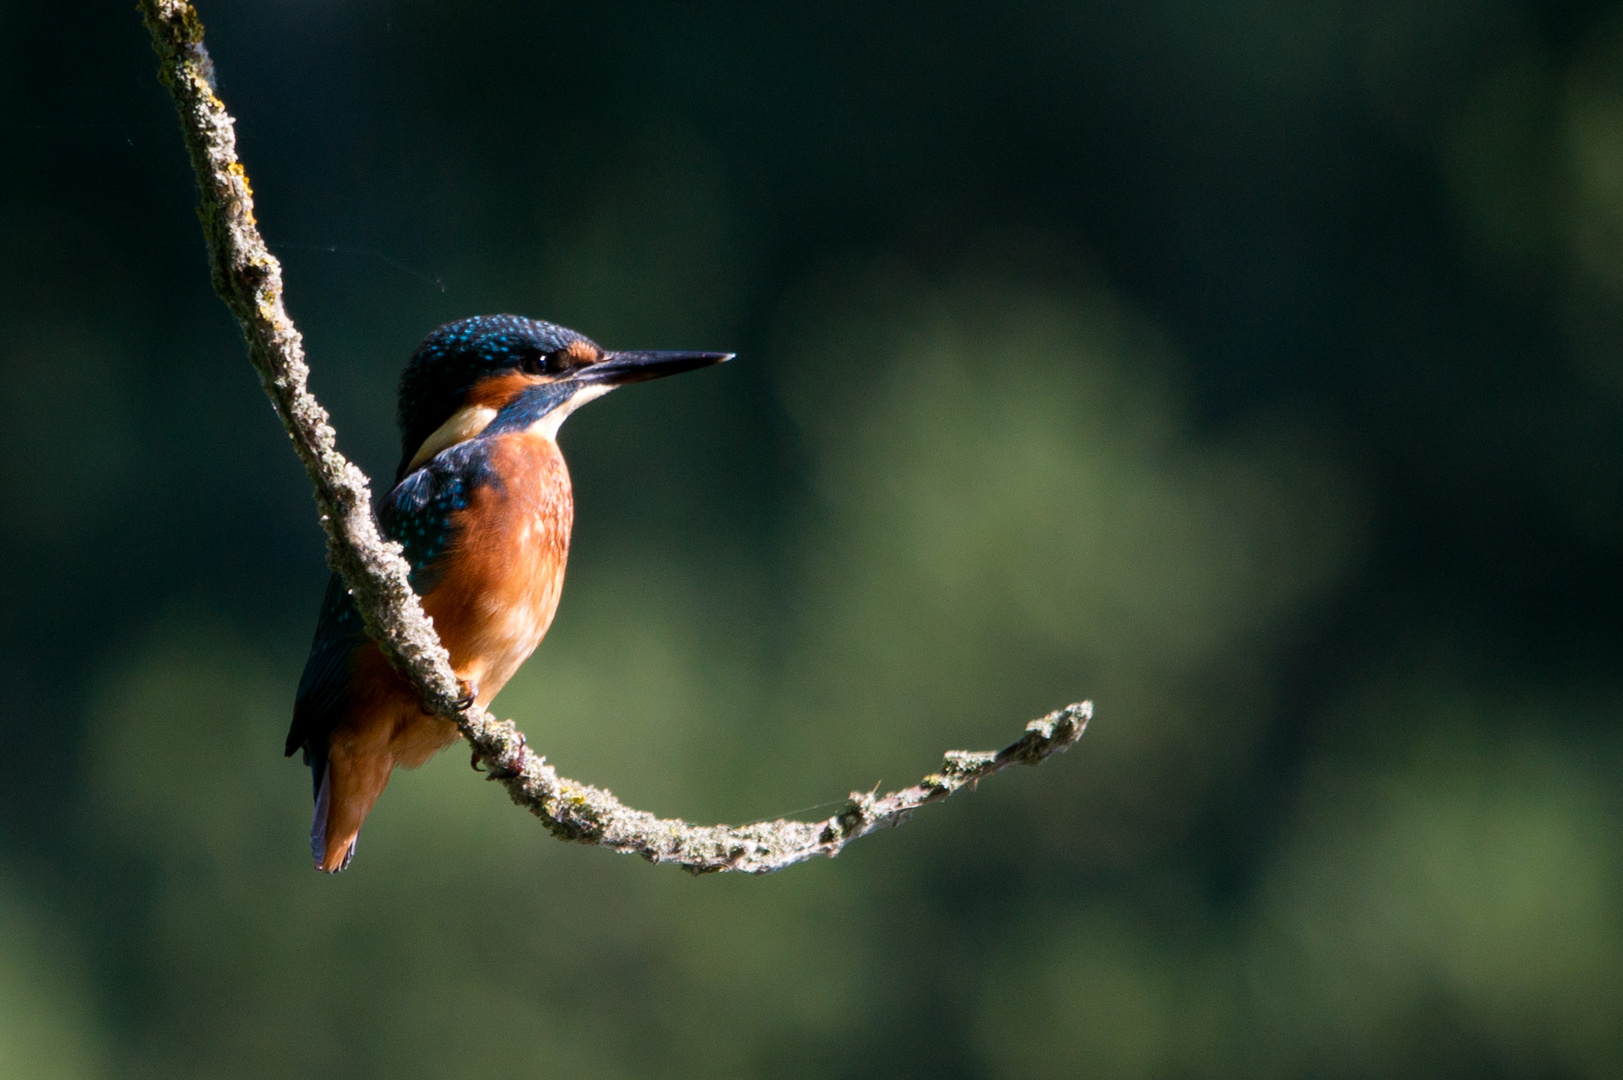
(543, 364)
(560, 362)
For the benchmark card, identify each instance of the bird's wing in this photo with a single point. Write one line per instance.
(421, 513)
(326, 673)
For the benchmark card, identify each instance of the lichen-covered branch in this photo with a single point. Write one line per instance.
(249, 279)
(576, 811)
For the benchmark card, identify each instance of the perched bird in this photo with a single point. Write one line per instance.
(482, 505)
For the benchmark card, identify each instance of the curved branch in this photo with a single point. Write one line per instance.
(249, 279)
(575, 811)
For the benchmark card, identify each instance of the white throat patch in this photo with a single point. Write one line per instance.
(463, 425)
(548, 425)
(470, 420)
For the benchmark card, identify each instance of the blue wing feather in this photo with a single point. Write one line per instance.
(339, 631)
(421, 511)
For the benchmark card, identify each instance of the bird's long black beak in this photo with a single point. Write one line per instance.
(619, 368)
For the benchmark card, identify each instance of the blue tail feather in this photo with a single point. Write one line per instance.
(318, 823)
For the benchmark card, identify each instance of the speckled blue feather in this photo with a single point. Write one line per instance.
(421, 510)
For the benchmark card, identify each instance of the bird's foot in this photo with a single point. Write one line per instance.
(469, 693)
(500, 773)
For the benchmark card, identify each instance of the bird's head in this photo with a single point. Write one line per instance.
(515, 373)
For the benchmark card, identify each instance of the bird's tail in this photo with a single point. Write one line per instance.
(329, 861)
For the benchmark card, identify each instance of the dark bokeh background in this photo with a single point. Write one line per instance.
(1255, 369)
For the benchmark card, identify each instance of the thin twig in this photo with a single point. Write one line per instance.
(249, 279)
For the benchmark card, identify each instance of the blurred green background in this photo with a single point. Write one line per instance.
(1255, 369)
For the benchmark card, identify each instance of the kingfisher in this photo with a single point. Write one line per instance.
(482, 505)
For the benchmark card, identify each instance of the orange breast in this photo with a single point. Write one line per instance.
(504, 573)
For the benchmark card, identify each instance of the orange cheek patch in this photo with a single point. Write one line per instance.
(583, 352)
(498, 390)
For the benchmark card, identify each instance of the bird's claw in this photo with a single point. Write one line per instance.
(469, 694)
(502, 773)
